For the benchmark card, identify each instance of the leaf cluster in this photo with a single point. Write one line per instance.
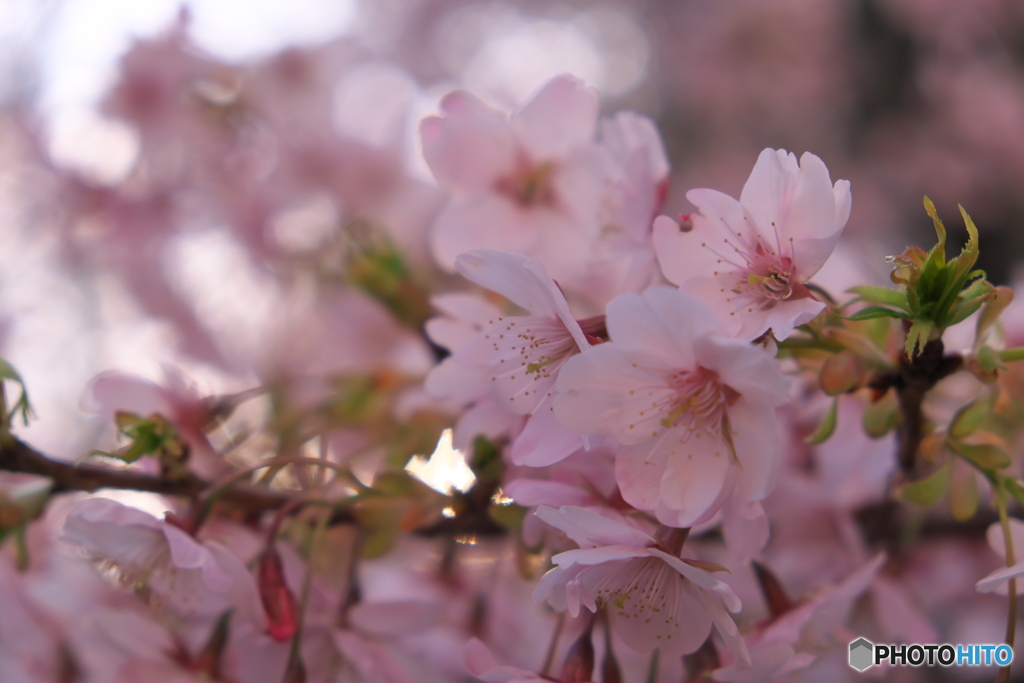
(934, 292)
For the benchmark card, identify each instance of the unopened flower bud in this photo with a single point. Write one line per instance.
(840, 373)
(579, 663)
(774, 594)
(278, 601)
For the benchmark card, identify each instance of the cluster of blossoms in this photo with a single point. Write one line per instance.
(674, 391)
(678, 448)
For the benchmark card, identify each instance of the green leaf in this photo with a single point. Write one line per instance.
(991, 360)
(881, 295)
(963, 310)
(970, 417)
(918, 336)
(1015, 488)
(980, 287)
(22, 405)
(380, 520)
(940, 231)
(872, 312)
(827, 426)
(881, 416)
(969, 254)
(930, 490)
(377, 266)
(486, 460)
(985, 456)
(151, 435)
(963, 497)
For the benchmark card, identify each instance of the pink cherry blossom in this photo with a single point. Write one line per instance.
(463, 317)
(528, 183)
(620, 258)
(792, 640)
(751, 259)
(519, 357)
(656, 599)
(197, 581)
(175, 400)
(690, 408)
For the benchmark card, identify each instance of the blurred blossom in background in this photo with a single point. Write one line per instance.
(180, 183)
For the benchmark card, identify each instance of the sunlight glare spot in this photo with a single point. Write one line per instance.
(446, 469)
(499, 498)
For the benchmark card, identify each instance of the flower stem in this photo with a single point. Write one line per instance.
(1010, 355)
(1011, 619)
(549, 658)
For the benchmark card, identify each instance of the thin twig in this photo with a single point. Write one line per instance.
(16, 456)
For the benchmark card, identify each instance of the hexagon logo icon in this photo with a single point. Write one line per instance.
(862, 653)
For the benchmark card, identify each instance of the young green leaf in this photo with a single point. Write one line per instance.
(985, 456)
(827, 426)
(881, 416)
(1015, 488)
(881, 295)
(918, 336)
(970, 417)
(940, 232)
(872, 312)
(930, 490)
(963, 497)
(22, 405)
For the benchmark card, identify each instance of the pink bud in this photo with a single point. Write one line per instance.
(278, 601)
(579, 663)
(685, 222)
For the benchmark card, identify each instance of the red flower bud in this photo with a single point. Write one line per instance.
(278, 601)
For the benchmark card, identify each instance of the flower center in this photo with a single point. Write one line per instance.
(767, 275)
(775, 285)
(699, 402)
(760, 274)
(643, 589)
(530, 187)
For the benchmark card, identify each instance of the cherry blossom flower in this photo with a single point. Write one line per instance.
(175, 400)
(519, 357)
(620, 258)
(530, 183)
(198, 581)
(751, 259)
(656, 599)
(690, 408)
(998, 581)
(463, 317)
(791, 640)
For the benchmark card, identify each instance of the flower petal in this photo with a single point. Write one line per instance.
(590, 529)
(563, 115)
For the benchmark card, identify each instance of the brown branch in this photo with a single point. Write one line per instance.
(16, 456)
(912, 381)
